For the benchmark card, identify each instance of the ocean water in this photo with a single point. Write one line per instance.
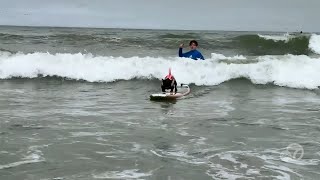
(74, 104)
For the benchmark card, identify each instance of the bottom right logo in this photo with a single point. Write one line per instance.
(294, 151)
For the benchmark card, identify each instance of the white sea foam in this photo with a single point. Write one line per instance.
(216, 56)
(284, 37)
(288, 70)
(126, 174)
(34, 155)
(83, 134)
(314, 43)
(14, 164)
(302, 162)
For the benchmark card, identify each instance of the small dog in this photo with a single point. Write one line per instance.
(169, 82)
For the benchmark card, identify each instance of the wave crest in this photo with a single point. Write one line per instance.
(314, 43)
(289, 70)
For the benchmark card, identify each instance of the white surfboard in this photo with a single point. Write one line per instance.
(170, 96)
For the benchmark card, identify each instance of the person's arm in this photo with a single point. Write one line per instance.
(186, 54)
(200, 56)
(180, 52)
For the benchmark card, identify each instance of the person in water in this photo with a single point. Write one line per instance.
(169, 82)
(193, 53)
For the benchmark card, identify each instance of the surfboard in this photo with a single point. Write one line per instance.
(170, 96)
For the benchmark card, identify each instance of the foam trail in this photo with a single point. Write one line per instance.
(314, 43)
(284, 37)
(289, 70)
(34, 156)
(126, 174)
(216, 56)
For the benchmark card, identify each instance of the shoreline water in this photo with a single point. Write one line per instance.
(79, 130)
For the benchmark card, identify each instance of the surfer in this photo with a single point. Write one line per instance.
(169, 82)
(193, 53)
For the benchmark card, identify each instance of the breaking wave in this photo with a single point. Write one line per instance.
(289, 70)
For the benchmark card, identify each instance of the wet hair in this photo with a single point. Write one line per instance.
(193, 41)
